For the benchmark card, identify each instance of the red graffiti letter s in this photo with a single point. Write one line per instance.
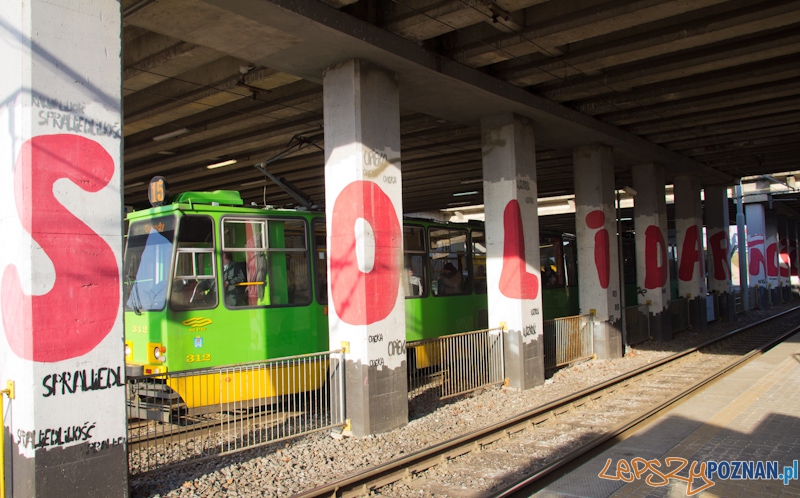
(80, 309)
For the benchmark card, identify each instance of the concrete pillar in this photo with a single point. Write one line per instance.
(652, 264)
(718, 244)
(756, 252)
(512, 240)
(61, 218)
(771, 243)
(363, 200)
(598, 253)
(691, 261)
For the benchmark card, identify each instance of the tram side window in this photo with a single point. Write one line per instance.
(479, 261)
(414, 278)
(194, 279)
(448, 259)
(570, 246)
(147, 260)
(551, 259)
(273, 256)
(321, 261)
(244, 271)
(288, 262)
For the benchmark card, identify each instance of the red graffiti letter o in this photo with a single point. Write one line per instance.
(364, 298)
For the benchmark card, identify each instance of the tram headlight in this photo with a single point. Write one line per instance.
(159, 353)
(128, 351)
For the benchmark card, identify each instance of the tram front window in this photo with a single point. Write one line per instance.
(147, 260)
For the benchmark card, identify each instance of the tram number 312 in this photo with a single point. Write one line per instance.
(197, 358)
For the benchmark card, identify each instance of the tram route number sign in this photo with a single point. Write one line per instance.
(158, 191)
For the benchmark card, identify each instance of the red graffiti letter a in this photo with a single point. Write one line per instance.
(690, 254)
(515, 281)
(719, 253)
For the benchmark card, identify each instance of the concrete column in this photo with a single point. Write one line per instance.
(652, 265)
(756, 252)
(689, 233)
(512, 239)
(772, 256)
(61, 218)
(598, 254)
(363, 200)
(718, 244)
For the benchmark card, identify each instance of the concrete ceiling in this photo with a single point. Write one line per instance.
(705, 87)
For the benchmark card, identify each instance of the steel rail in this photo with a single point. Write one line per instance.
(523, 487)
(362, 483)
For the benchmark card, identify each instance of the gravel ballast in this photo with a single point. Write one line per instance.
(287, 468)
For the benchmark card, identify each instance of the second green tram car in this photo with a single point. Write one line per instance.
(209, 282)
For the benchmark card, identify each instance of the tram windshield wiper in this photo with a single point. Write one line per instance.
(135, 299)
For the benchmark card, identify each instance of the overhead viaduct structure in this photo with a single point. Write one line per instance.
(374, 109)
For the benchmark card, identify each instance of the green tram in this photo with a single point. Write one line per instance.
(209, 282)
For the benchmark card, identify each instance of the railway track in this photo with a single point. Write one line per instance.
(512, 457)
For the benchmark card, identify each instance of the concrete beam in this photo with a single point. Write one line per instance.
(304, 39)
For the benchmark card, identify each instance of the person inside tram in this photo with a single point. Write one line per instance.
(232, 274)
(414, 284)
(549, 276)
(449, 281)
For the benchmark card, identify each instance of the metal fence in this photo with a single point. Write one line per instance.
(637, 324)
(180, 417)
(567, 340)
(455, 364)
(738, 301)
(679, 314)
(752, 297)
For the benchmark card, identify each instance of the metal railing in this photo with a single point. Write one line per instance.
(567, 340)
(712, 307)
(455, 364)
(738, 302)
(637, 324)
(181, 417)
(679, 314)
(752, 297)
